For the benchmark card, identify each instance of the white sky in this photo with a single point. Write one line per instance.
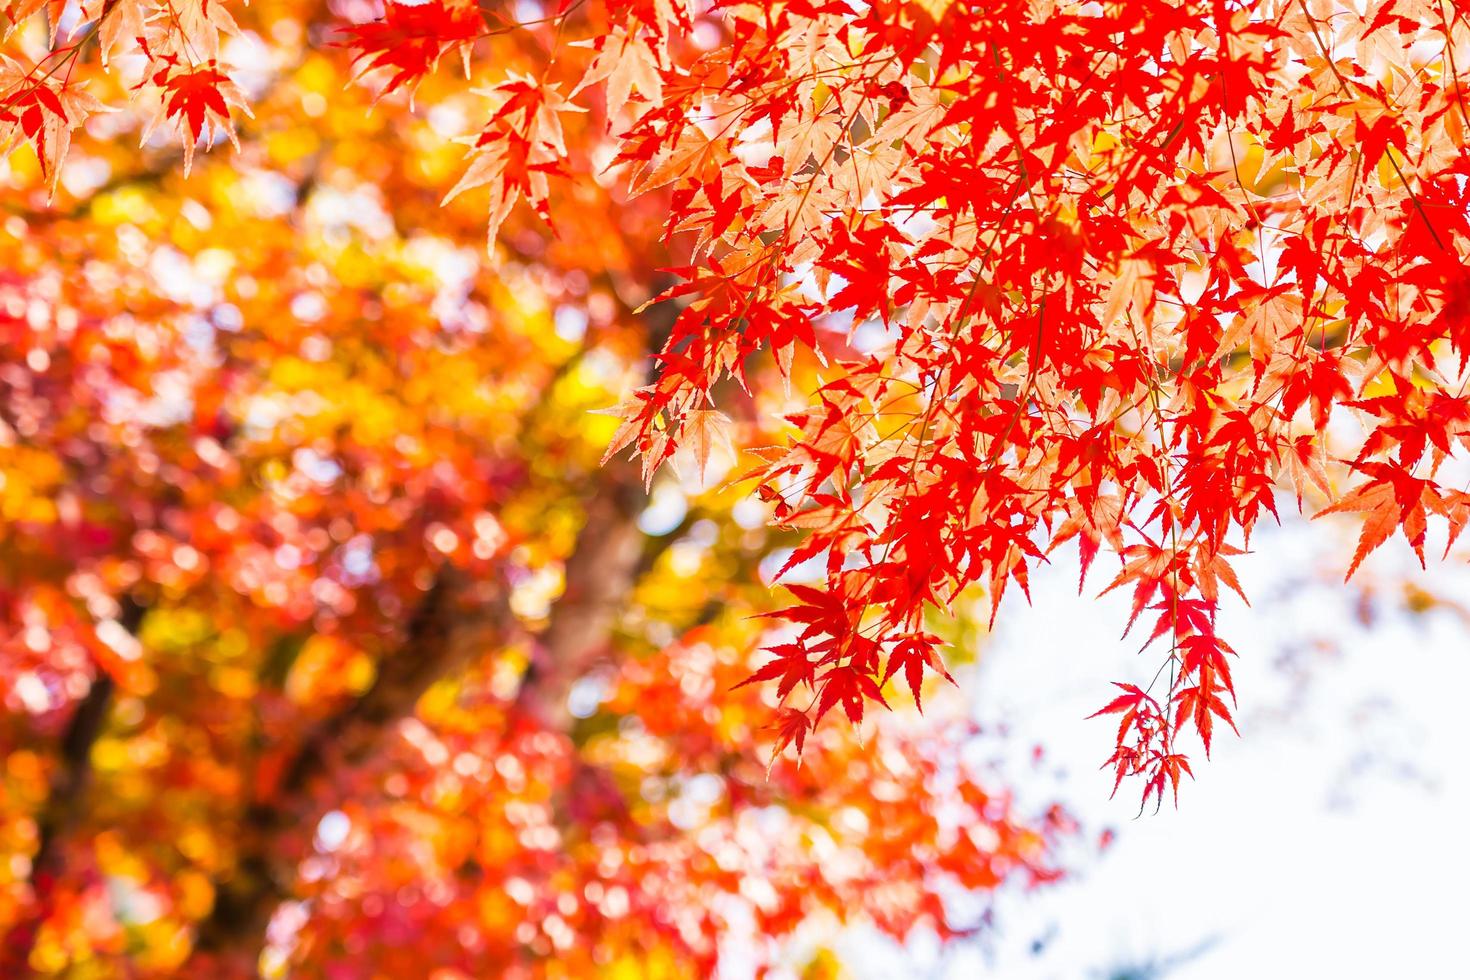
(1328, 841)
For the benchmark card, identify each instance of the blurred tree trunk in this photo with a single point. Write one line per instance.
(63, 808)
(455, 623)
(445, 633)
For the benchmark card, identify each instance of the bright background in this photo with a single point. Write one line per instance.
(1327, 841)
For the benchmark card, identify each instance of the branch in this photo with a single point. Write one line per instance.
(440, 639)
(600, 573)
(605, 564)
(62, 808)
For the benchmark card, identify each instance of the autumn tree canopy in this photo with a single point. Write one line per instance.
(331, 642)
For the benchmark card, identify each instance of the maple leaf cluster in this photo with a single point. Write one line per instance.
(1113, 273)
(163, 56)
